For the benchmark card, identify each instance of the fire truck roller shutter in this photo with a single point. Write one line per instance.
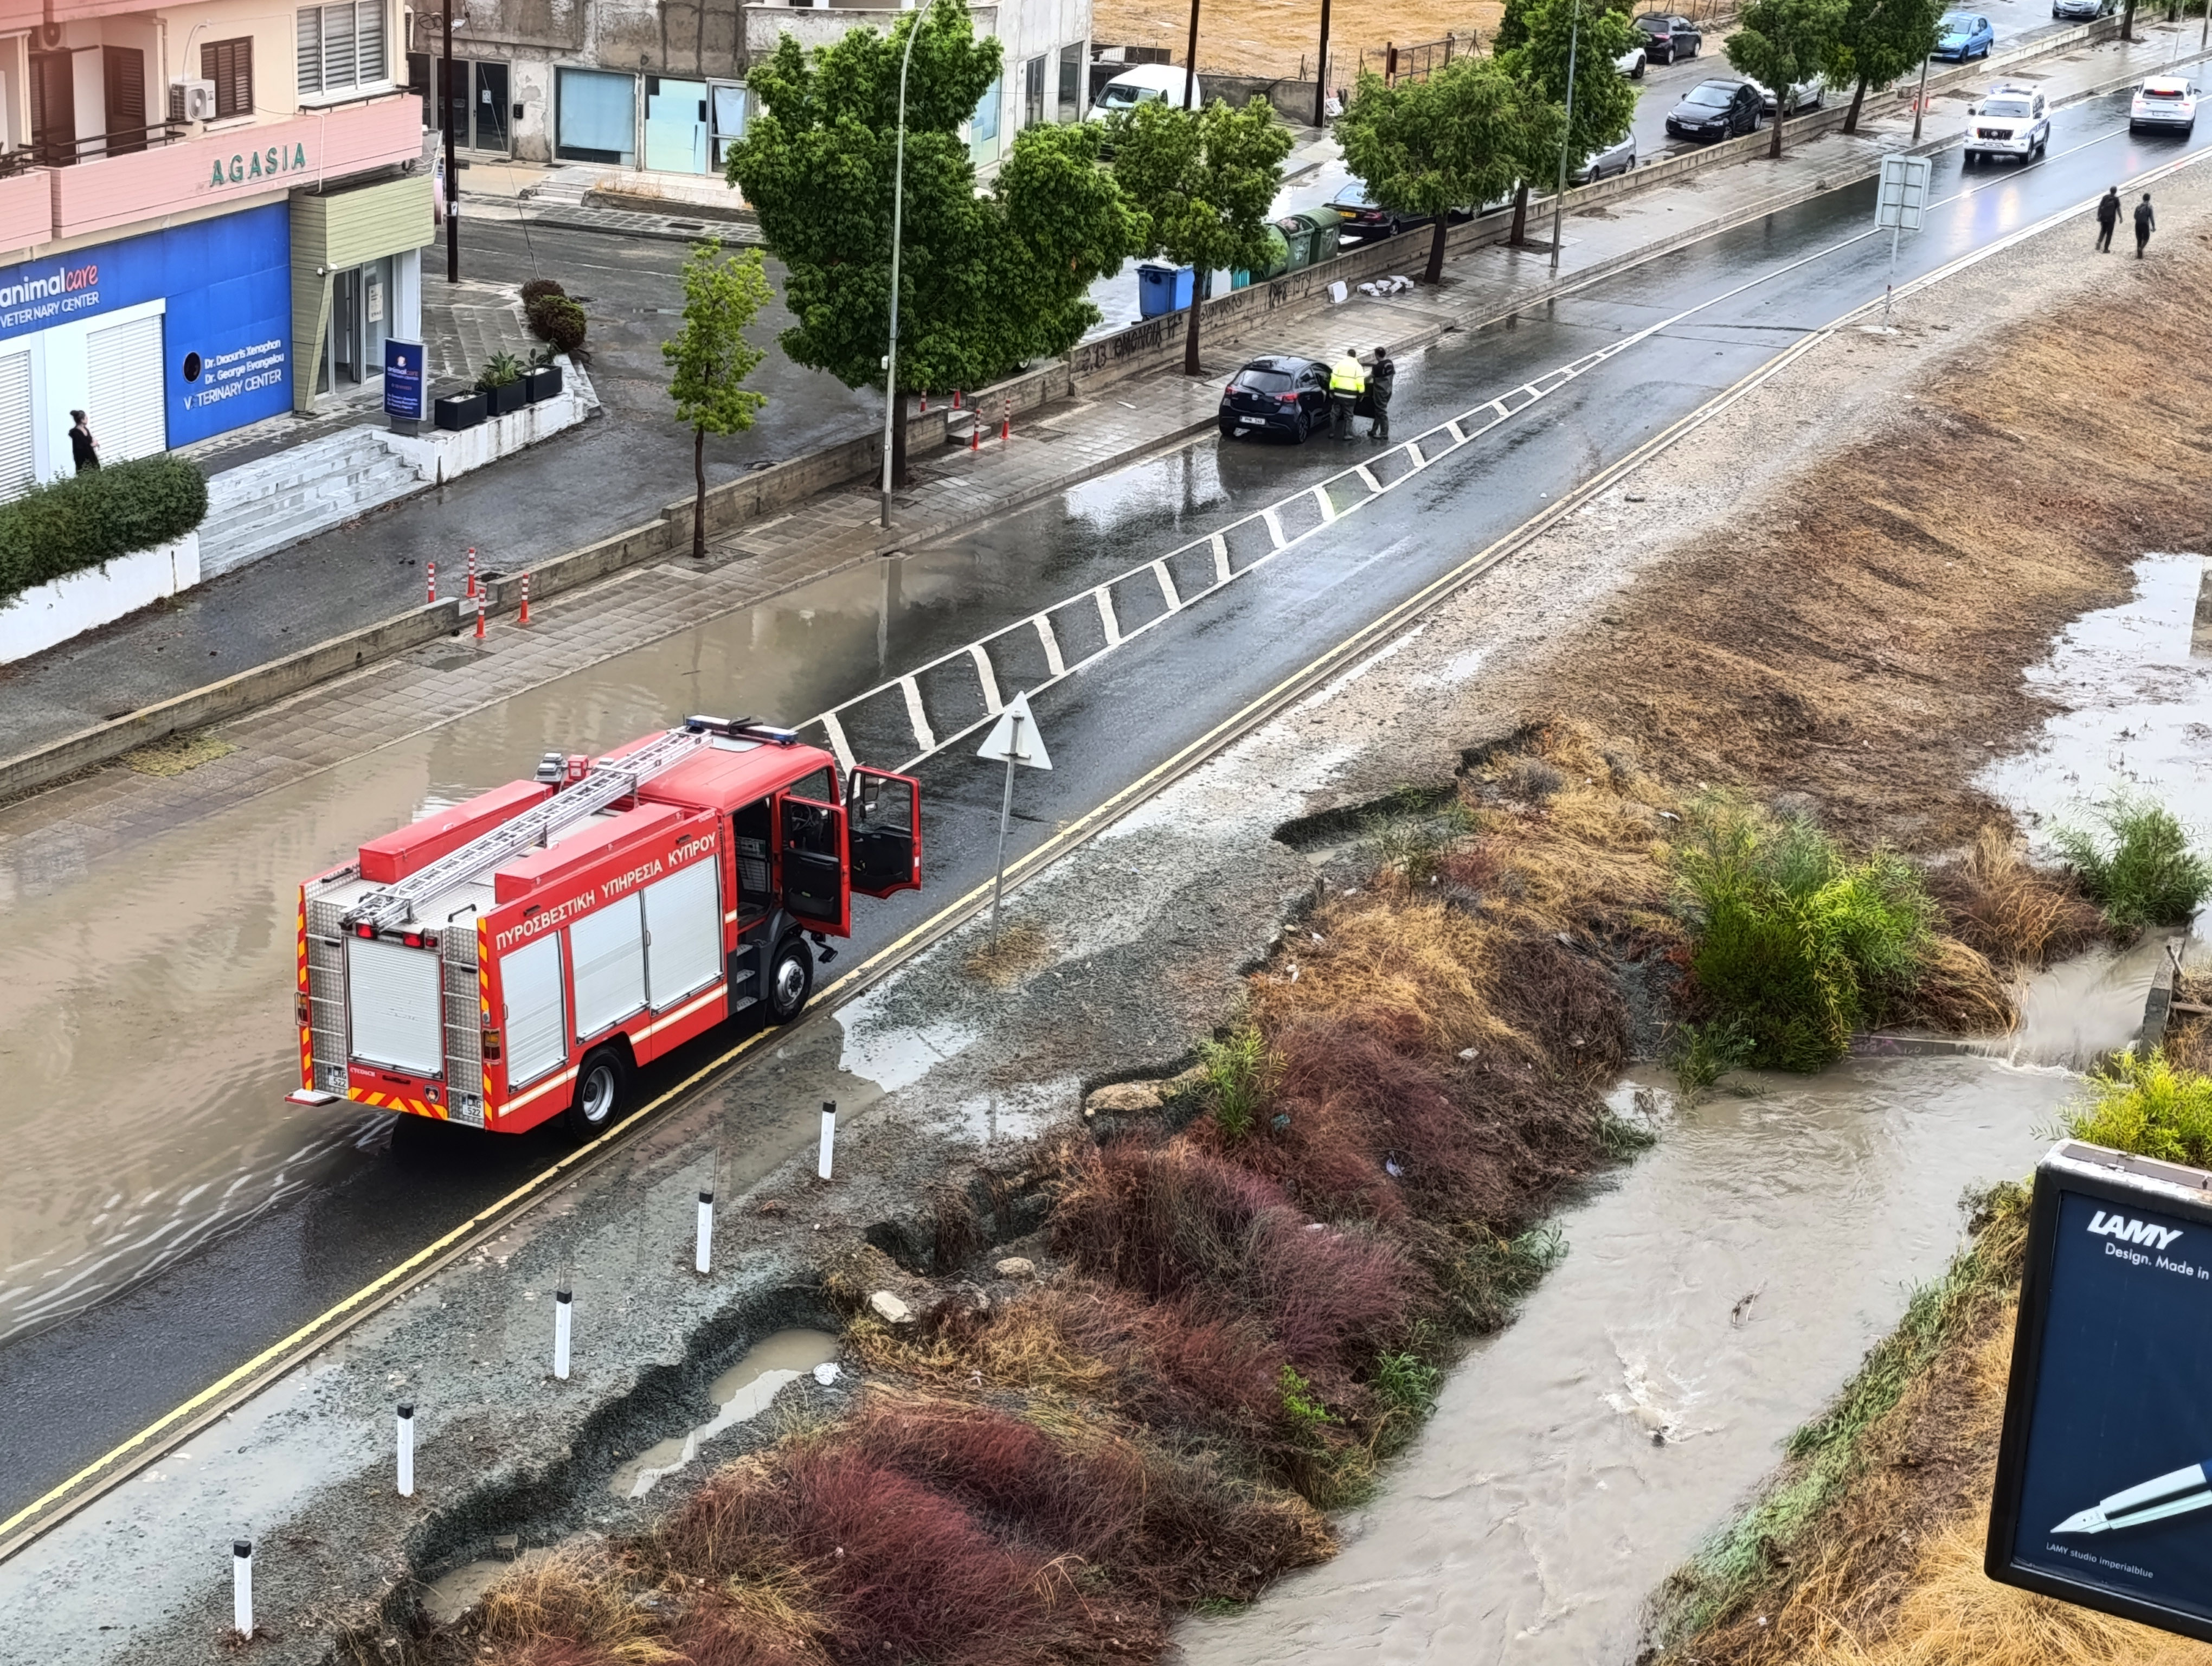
(393, 1004)
(683, 932)
(530, 987)
(609, 951)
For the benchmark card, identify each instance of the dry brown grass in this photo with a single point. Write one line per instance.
(1960, 993)
(566, 1609)
(2018, 915)
(175, 754)
(1431, 964)
(2188, 1041)
(1270, 37)
(1864, 644)
(1004, 960)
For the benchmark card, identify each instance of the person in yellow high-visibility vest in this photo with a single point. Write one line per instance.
(1347, 380)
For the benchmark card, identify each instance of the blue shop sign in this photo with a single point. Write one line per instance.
(403, 379)
(227, 328)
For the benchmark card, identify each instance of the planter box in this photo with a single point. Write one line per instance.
(459, 410)
(543, 382)
(507, 396)
(55, 611)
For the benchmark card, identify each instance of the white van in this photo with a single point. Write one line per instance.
(1147, 84)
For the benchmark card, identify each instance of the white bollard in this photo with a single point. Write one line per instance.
(561, 1305)
(406, 1450)
(829, 1135)
(241, 1586)
(704, 1260)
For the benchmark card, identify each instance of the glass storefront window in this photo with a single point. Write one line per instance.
(675, 126)
(595, 118)
(983, 128)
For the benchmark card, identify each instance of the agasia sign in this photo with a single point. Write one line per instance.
(245, 165)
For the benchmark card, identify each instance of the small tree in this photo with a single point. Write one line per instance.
(711, 358)
(1877, 41)
(1784, 43)
(1203, 181)
(1594, 35)
(1428, 147)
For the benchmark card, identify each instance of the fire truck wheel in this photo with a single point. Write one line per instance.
(790, 979)
(601, 1086)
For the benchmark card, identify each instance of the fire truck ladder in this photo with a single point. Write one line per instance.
(606, 781)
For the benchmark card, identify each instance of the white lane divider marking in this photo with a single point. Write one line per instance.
(1327, 508)
(1221, 573)
(985, 676)
(915, 715)
(1167, 586)
(1052, 661)
(1106, 618)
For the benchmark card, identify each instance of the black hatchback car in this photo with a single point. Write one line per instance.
(1276, 394)
(1666, 38)
(1717, 110)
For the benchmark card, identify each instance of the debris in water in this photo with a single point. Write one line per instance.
(1742, 1308)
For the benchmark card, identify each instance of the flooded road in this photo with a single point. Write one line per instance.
(1709, 1302)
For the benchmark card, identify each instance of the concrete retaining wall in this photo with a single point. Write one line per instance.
(49, 613)
(437, 454)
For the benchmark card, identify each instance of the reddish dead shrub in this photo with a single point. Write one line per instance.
(1568, 1006)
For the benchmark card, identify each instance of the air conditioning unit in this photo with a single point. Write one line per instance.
(191, 100)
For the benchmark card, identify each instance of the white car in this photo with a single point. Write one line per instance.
(1631, 63)
(2013, 119)
(1803, 95)
(2166, 104)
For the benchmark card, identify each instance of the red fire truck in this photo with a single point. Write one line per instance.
(517, 957)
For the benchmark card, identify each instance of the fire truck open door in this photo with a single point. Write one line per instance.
(809, 837)
(884, 832)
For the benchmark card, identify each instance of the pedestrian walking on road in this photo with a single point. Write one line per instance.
(1380, 379)
(84, 450)
(2108, 217)
(1347, 382)
(2146, 223)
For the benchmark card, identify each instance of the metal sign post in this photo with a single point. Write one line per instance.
(1015, 739)
(1900, 204)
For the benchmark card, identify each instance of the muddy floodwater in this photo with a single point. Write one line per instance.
(1710, 1299)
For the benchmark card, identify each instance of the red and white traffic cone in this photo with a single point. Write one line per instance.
(472, 570)
(525, 618)
(1006, 423)
(925, 402)
(432, 575)
(975, 437)
(956, 399)
(480, 601)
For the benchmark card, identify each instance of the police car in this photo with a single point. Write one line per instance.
(2012, 120)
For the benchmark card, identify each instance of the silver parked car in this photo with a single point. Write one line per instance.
(1600, 164)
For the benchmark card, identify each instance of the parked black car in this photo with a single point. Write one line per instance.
(1669, 38)
(1717, 110)
(1364, 218)
(1276, 394)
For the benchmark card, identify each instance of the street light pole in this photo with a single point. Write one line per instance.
(1190, 62)
(453, 170)
(898, 201)
(1558, 197)
(1920, 101)
(1321, 72)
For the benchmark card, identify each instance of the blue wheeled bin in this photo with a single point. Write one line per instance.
(1162, 289)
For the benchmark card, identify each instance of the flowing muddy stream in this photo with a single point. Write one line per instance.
(1721, 1290)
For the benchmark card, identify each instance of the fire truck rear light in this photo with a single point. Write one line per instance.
(300, 1010)
(364, 929)
(491, 1045)
(412, 939)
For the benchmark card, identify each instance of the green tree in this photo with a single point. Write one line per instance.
(1594, 35)
(985, 281)
(1877, 41)
(710, 358)
(1784, 43)
(1427, 147)
(1203, 181)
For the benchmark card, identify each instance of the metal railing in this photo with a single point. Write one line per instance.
(46, 151)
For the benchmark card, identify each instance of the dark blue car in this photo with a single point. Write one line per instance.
(1963, 34)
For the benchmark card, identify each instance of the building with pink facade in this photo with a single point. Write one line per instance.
(210, 214)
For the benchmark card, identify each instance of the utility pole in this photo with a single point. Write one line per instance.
(453, 165)
(1558, 197)
(1920, 101)
(1321, 71)
(898, 202)
(1190, 62)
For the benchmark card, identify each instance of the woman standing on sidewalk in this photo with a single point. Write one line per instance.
(84, 450)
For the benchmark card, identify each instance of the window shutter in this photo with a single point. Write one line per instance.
(311, 50)
(368, 59)
(229, 65)
(123, 389)
(338, 47)
(17, 457)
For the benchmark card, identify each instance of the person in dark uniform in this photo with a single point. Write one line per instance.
(2146, 223)
(2108, 217)
(1379, 379)
(84, 450)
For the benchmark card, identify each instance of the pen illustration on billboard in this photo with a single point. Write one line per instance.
(2105, 1483)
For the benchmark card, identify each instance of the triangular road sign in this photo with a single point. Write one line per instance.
(1015, 738)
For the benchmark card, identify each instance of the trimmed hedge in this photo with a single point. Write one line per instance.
(559, 320)
(89, 520)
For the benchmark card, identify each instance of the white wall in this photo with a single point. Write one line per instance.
(49, 613)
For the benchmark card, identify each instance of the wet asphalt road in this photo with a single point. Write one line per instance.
(72, 1389)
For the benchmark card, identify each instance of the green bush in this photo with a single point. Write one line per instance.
(1794, 945)
(500, 370)
(89, 520)
(540, 286)
(2146, 1106)
(559, 320)
(2149, 877)
(1237, 1069)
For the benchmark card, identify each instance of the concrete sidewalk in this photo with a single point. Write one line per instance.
(46, 701)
